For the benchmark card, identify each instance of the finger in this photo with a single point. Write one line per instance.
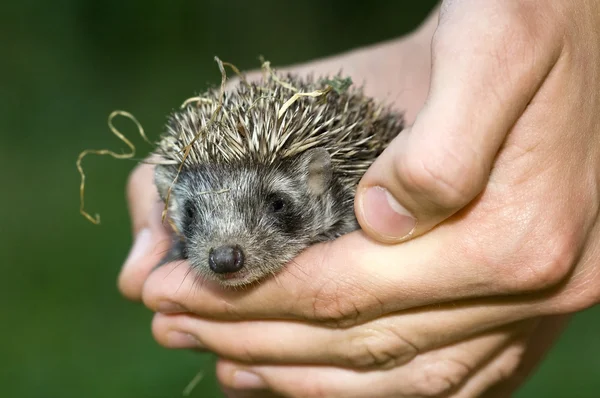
(351, 280)
(483, 77)
(497, 370)
(387, 342)
(512, 375)
(142, 196)
(151, 240)
(435, 373)
(505, 372)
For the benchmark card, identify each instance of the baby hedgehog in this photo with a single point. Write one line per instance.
(261, 181)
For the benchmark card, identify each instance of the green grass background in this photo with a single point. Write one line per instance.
(64, 66)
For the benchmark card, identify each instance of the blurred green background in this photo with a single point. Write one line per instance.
(64, 66)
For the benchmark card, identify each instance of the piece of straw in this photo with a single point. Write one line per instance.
(188, 147)
(96, 218)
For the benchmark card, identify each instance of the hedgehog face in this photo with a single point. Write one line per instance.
(241, 222)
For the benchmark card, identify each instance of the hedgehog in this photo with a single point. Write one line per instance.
(254, 175)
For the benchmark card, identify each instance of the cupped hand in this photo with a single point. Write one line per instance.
(494, 193)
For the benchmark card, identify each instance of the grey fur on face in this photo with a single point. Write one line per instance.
(256, 189)
(270, 212)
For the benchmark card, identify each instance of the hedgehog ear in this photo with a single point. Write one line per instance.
(163, 178)
(317, 169)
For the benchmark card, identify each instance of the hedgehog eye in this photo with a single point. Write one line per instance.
(189, 210)
(277, 204)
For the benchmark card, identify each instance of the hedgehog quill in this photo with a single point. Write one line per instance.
(253, 176)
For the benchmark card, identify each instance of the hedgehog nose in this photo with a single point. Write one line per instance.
(225, 259)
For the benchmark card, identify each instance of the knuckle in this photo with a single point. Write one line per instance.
(440, 378)
(341, 303)
(582, 291)
(445, 178)
(531, 254)
(243, 352)
(381, 349)
(332, 307)
(507, 367)
(549, 263)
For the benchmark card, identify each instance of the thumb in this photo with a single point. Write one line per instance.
(483, 77)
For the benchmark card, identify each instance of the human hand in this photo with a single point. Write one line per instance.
(516, 187)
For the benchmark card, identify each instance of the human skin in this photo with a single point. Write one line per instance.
(500, 166)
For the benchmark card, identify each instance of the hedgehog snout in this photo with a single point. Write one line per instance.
(226, 259)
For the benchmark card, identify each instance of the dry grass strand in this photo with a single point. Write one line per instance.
(188, 147)
(193, 383)
(96, 218)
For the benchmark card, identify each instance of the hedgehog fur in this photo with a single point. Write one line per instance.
(253, 186)
(354, 129)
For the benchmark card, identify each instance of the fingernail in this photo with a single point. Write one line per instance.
(140, 247)
(168, 307)
(243, 379)
(182, 340)
(385, 215)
